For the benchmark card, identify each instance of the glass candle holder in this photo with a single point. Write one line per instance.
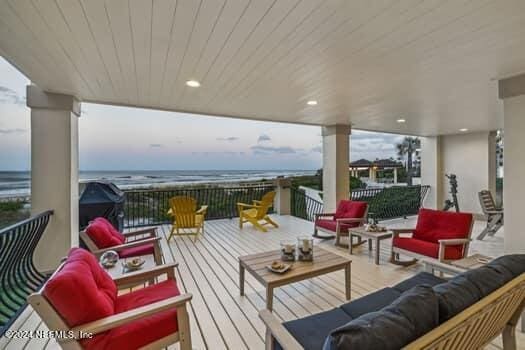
(288, 250)
(305, 248)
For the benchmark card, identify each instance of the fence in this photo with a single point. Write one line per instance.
(384, 203)
(18, 275)
(150, 207)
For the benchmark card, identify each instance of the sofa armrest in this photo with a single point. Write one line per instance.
(151, 230)
(350, 220)
(320, 215)
(132, 244)
(144, 276)
(443, 243)
(397, 231)
(113, 321)
(277, 331)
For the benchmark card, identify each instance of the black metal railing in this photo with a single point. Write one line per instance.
(18, 275)
(392, 202)
(303, 206)
(150, 207)
(384, 203)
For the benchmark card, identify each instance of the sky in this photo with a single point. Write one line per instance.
(122, 138)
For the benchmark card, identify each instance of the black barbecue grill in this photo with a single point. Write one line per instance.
(101, 199)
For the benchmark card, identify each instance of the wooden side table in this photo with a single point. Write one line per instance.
(370, 236)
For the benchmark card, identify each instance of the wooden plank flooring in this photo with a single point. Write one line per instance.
(222, 319)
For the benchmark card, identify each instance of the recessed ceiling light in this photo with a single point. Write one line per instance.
(311, 103)
(401, 120)
(193, 83)
(463, 129)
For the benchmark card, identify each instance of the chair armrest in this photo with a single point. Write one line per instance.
(131, 244)
(202, 209)
(320, 215)
(350, 220)
(151, 230)
(397, 231)
(281, 334)
(113, 321)
(455, 241)
(494, 212)
(146, 275)
(240, 205)
(256, 202)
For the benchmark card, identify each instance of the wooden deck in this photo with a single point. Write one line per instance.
(222, 319)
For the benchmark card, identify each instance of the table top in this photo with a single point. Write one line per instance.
(118, 271)
(458, 266)
(324, 262)
(362, 231)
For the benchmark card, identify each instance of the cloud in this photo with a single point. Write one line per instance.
(156, 145)
(10, 96)
(317, 149)
(258, 149)
(229, 139)
(263, 137)
(12, 131)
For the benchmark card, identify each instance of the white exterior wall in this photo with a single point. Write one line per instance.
(514, 164)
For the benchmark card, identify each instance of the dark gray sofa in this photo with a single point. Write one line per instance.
(394, 316)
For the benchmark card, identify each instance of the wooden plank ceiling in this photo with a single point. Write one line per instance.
(431, 62)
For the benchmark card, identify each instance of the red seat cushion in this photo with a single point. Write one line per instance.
(101, 235)
(433, 225)
(350, 209)
(112, 229)
(82, 291)
(137, 251)
(429, 249)
(331, 225)
(144, 331)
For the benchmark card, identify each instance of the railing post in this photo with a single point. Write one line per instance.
(282, 196)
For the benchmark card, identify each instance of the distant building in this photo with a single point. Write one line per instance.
(373, 167)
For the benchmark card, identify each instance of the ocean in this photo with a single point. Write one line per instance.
(17, 183)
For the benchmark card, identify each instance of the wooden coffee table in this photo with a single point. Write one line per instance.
(370, 236)
(324, 262)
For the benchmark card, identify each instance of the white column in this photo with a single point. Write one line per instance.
(431, 171)
(336, 155)
(514, 164)
(54, 171)
(282, 196)
(395, 175)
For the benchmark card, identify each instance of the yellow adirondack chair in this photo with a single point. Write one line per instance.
(187, 220)
(256, 212)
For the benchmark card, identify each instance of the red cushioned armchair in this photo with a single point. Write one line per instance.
(348, 214)
(438, 234)
(100, 236)
(81, 301)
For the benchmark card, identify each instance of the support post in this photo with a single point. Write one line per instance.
(395, 175)
(336, 155)
(54, 171)
(282, 196)
(431, 171)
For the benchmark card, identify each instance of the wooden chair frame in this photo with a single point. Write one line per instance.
(338, 231)
(184, 230)
(494, 216)
(473, 328)
(443, 243)
(56, 323)
(256, 221)
(148, 235)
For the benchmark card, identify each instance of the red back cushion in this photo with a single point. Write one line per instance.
(112, 229)
(433, 225)
(82, 291)
(350, 209)
(102, 235)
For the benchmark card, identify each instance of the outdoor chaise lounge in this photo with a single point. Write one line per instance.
(100, 236)
(80, 299)
(348, 214)
(257, 212)
(422, 312)
(438, 235)
(493, 214)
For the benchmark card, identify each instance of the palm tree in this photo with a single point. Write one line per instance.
(407, 148)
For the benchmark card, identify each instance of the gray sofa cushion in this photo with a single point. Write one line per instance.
(513, 263)
(455, 296)
(413, 314)
(311, 331)
(419, 279)
(371, 302)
